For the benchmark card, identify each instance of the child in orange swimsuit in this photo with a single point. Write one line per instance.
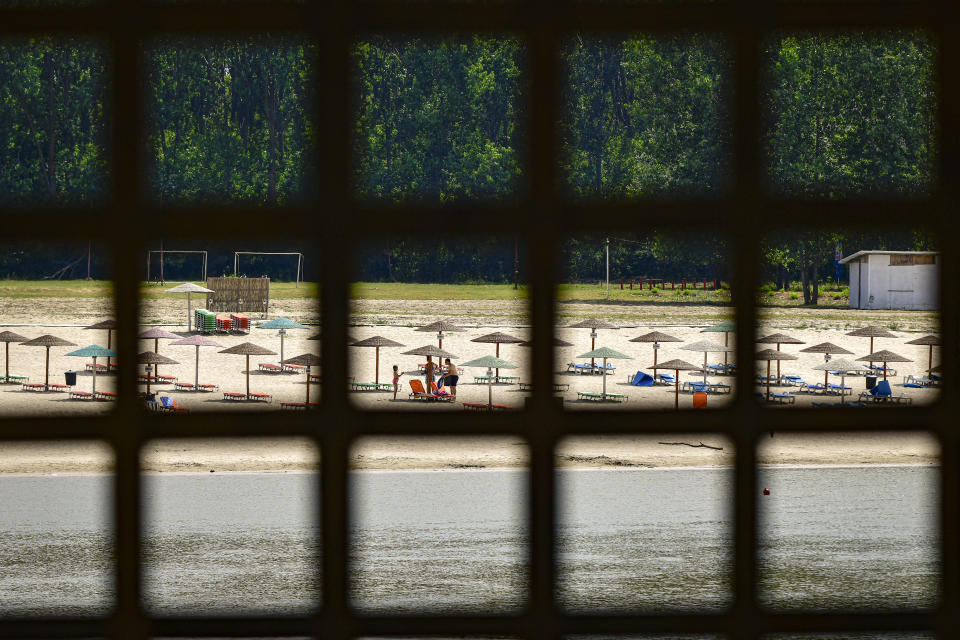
(396, 380)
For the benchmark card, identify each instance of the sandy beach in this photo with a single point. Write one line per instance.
(472, 452)
(398, 320)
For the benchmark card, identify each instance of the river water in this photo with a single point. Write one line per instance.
(651, 539)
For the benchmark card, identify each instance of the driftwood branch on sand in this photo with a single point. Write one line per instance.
(695, 446)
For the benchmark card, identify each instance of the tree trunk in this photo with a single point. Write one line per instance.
(805, 276)
(814, 294)
(51, 179)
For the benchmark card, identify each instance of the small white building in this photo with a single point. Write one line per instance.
(894, 279)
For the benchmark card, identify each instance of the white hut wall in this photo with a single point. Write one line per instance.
(900, 281)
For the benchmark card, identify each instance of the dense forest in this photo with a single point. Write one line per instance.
(443, 121)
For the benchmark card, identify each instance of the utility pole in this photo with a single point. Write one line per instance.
(608, 268)
(516, 264)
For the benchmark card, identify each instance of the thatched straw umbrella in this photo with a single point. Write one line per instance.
(440, 326)
(707, 346)
(430, 351)
(155, 359)
(188, 288)
(498, 338)
(491, 363)
(929, 341)
(843, 366)
(726, 327)
(827, 349)
(197, 341)
(771, 354)
(376, 342)
(109, 325)
(156, 334)
(605, 353)
(94, 351)
(656, 338)
(249, 349)
(306, 360)
(883, 356)
(48, 341)
(677, 366)
(593, 324)
(282, 324)
(317, 337)
(557, 342)
(872, 332)
(8, 337)
(779, 339)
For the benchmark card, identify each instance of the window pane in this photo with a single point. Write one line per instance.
(645, 116)
(667, 302)
(441, 528)
(56, 540)
(851, 114)
(60, 352)
(438, 120)
(849, 317)
(644, 522)
(52, 124)
(856, 527)
(230, 526)
(229, 121)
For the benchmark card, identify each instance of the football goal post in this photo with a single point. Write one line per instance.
(163, 251)
(237, 254)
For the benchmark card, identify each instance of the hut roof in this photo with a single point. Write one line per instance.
(927, 340)
(157, 332)
(884, 356)
(498, 337)
(593, 323)
(872, 332)
(840, 364)
(198, 340)
(429, 350)
(281, 323)
(149, 357)
(605, 352)
(93, 351)
(656, 336)
(376, 341)
(106, 324)
(49, 341)
(557, 342)
(676, 365)
(249, 349)
(10, 336)
(305, 360)
(726, 326)
(773, 354)
(188, 287)
(706, 345)
(779, 338)
(490, 362)
(825, 347)
(440, 325)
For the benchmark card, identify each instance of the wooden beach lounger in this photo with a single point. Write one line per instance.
(294, 368)
(558, 387)
(105, 395)
(573, 367)
(165, 379)
(599, 397)
(15, 378)
(81, 395)
(100, 367)
(782, 398)
(59, 386)
(882, 393)
(261, 397)
(208, 387)
(33, 386)
(371, 386)
(269, 367)
(314, 377)
(183, 386)
(234, 395)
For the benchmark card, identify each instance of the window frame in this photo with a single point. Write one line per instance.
(541, 219)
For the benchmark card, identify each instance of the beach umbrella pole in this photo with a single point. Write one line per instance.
(376, 367)
(778, 364)
(156, 349)
(46, 379)
(196, 369)
(189, 317)
(498, 355)
(7, 374)
(655, 345)
(489, 389)
(676, 389)
(248, 376)
(704, 367)
(726, 343)
(604, 374)
(308, 386)
(95, 376)
(768, 381)
(929, 359)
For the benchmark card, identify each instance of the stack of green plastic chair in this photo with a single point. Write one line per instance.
(205, 321)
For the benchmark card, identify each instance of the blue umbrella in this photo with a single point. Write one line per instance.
(282, 324)
(94, 351)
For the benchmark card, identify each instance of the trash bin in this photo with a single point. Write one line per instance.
(871, 382)
(71, 378)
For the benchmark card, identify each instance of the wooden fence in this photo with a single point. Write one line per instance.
(239, 295)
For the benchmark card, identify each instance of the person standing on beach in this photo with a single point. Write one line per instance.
(452, 377)
(430, 370)
(396, 380)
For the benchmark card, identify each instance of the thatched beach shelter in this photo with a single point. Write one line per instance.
(305, 360)
(109, 325)
(490, 363)
(155, 359)
(282, 324)
(249, 349)
(605, 353)
(189, 288)
(827, 349)
(593, 324)
(779, 339)
(841, 365)
(557, 342)
(197, 341)
(377, 342)
(883, 356)
(8, 337)
(929, 341)
(726, 327)
(872, 332)
(498, 338)
(440, 326)
(48, 341)
(677, 366)
(770, 355)
(156, 334)
(656, 338)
